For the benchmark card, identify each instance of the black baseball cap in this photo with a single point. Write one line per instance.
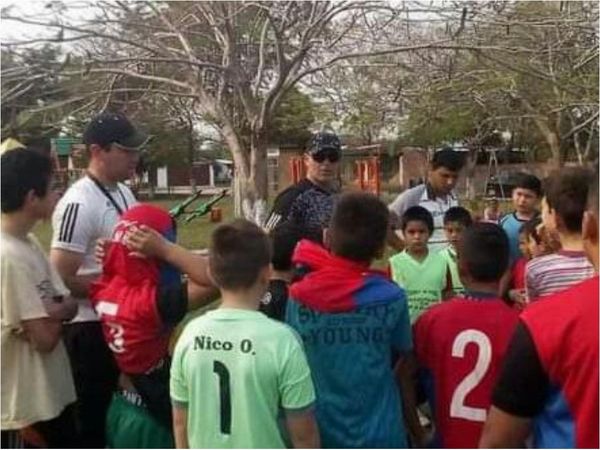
(107, 128)
(323, 141)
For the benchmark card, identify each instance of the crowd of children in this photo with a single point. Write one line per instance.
(311, 346)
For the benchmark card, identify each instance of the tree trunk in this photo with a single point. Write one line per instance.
(191, 150)
(553, 141)
(250, 184)
(551, 136)
(470, 173)
(554, 145)
(150, 184)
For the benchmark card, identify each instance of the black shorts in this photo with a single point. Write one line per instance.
(54, 433)
(95, 374)
(153, 388)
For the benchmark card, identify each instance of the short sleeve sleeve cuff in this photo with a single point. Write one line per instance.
(522, 384)
(20, 297)
(297, 390)
(177, 384)
(71, 228)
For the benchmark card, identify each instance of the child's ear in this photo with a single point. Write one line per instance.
(264, 276)
(210, 276)
(30, 198)
(589, 228)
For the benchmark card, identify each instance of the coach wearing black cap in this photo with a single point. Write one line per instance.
(88, 210)
(309, 203)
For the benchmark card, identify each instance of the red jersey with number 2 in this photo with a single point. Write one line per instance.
(459, 345)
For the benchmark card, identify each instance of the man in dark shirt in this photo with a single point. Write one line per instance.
(309, 203)
(548, 384)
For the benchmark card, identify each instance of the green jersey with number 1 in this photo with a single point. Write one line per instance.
(233, 370)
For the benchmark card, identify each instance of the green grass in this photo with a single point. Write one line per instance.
(192, 235)
(196, 234)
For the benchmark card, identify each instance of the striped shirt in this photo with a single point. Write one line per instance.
(556, 272)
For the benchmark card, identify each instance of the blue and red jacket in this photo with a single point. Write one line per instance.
(334, 284)
(350, 318)
(564, 329)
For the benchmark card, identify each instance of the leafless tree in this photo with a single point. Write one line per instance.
(232, 62)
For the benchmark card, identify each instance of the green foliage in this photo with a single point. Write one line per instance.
(292, 119)
(170, 146)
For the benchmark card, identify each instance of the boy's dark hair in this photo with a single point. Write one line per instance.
(358, 227)
(284, 238)
(23, 170)
(238, 252)
(566, 193)
(417, 214)
(458, 214)
(484, 251)
(529, 228)
(529, 182)
(447, 158)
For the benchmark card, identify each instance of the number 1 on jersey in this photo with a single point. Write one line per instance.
(225, 395)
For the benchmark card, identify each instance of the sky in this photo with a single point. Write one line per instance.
(11, 31)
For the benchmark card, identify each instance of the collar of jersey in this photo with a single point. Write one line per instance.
(113, 188)
(479, 295)
(310, 184)
(535, 215)
(233, 313)
(429, 195)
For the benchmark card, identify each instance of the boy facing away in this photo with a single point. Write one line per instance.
(422, 273)
(460, 343)
(456, 220)
(563, 207)
(234, 368)
(351, 318)
(526, 195)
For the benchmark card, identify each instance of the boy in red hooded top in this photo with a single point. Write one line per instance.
(140, 299)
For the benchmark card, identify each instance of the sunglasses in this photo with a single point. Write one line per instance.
(332, 156)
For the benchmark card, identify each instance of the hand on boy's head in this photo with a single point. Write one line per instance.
(145, 241)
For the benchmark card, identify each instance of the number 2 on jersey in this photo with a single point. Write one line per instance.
(458, 408)
(224, 395)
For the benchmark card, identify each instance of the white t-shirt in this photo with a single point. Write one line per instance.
(421, 195)
(35, 386)
(83, 215)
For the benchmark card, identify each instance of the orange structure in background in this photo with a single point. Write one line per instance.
(367, 174)
(297, 169)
